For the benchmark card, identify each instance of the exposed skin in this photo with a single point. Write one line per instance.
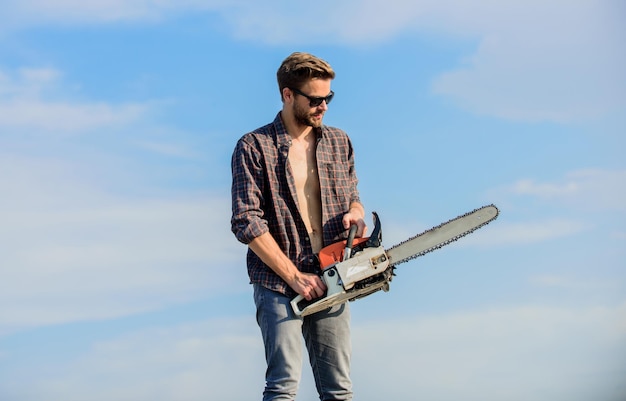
(300, 119)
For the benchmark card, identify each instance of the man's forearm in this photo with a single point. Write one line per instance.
(266, 248)
(308, 285)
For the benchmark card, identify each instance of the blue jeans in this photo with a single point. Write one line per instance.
(327, 338)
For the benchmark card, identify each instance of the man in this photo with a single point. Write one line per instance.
(294, 191)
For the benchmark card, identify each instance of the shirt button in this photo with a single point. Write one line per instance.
(311, 260)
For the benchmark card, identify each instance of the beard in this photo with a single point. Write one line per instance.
(306, 118)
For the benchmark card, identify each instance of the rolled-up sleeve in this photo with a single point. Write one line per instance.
(247, 221)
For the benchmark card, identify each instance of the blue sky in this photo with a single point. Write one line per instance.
(120, 279)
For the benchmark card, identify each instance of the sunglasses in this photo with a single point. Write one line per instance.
(315, 101)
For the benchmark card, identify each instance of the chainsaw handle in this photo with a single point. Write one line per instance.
(351, 234)
(296, 307)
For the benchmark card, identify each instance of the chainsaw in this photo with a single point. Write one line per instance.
(357, 267)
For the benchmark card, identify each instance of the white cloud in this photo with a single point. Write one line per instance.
(169, 149)
(530, 232)
(24, 13)
(27, 82)
(517, 353)
(508, 353)
(54, 116)
(74, 247)
(557, 61)
(535, 60)
(590, 189)
(204, 360)
(29, 103)
(72, 251)
(572, 283)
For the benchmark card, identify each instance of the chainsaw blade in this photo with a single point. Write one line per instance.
(441, 235)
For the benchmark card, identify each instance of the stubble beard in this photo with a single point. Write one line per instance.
(306, 118)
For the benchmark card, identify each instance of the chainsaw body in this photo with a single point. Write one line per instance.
(351, 269)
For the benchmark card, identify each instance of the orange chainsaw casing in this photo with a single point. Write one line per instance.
(333, 253)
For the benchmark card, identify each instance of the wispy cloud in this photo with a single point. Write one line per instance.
(114, 259)
(592, 190)
(23, 14)
(457, 356)
(522, 69)
(447, 357)
(186, 362)
(30, 101)
(507, 233)
(582, 188)
(169, 149)
(72, 251)
(64, 117)
(572, 283)
(76, 243)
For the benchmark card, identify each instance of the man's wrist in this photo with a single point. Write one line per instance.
(357, 209)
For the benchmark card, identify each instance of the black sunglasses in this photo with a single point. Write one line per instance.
(315, 101)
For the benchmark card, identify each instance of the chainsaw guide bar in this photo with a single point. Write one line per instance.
(442, 235)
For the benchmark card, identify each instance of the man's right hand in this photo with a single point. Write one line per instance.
(309, 285)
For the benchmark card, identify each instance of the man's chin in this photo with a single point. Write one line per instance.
(315, 122)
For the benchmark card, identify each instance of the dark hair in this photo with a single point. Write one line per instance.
(298, 68)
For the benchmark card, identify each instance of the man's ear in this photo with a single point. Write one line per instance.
(287, 95)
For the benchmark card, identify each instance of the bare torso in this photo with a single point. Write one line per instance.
(304, 169)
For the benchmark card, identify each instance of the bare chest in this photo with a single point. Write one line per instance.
(303, 165)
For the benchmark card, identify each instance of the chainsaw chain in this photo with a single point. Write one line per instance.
(449, 241)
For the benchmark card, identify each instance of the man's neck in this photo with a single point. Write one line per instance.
(298, 132)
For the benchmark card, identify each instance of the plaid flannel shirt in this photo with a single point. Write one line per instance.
(264, 196)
